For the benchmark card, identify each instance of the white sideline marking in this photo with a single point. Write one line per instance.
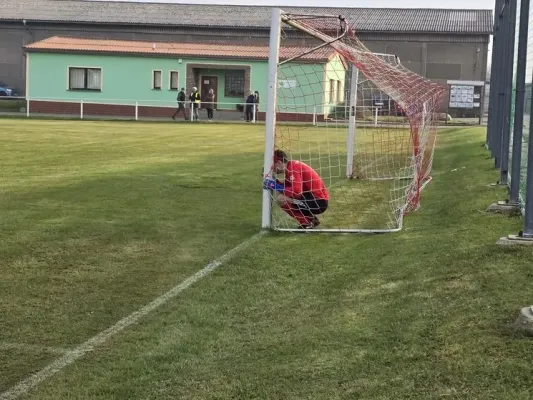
(32, 348)
(24, 386)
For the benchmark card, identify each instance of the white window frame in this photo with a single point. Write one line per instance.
(332, 90)
(69, 67)
(170, 80)
(229, 72)
(340, 91)
(153, 80)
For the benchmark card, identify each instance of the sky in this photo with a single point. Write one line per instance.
(457, 4)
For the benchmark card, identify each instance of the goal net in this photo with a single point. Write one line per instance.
(361, 120)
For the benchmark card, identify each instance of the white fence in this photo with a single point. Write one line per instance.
(160, 110)
(137, 109)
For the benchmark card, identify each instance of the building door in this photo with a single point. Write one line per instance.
(209, 82)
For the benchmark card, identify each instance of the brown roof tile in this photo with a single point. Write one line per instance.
(202, 50)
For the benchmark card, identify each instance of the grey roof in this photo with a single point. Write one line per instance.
(363, 19)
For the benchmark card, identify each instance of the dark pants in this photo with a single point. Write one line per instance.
(209, 113)
(181, 108)
(305, 209)
(310, 206)
(249, 113)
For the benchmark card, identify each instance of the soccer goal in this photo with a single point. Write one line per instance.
(361, 120)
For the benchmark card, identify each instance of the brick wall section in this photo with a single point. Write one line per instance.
(116, 110)
(292, 117)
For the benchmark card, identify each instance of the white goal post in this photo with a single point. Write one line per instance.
(361, 120)
(270, 121)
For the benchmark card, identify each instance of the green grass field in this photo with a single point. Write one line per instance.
(100, 218)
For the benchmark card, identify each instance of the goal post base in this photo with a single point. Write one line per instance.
(341, 231)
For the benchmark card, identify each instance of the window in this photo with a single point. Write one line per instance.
(84, 78)
(332, 90)
(339, 92)
(234, 84)
(156, 80)
(173, 80)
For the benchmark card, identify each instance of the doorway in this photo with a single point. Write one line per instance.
(208, 82)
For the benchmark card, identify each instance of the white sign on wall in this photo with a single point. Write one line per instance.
(462, 96)
(286, 84)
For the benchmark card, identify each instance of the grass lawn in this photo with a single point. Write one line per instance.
(99, 218)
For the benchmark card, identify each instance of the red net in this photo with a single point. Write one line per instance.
(361, 120)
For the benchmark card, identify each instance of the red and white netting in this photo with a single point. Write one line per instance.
(362, 120)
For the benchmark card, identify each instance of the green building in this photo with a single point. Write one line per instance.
(143, 78)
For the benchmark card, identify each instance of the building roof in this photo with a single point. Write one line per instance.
(234, 16)
(201, 50)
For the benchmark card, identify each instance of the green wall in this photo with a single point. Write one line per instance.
(124, 79)
(127, 79)
(335, 71)
(308, 91)
(313, 86)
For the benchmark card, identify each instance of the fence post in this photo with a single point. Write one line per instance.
(27, 107)
(81, 109)
(526, 236)
(496, 82)
(376, 117)
(493, 79)
(314, 115)
(518, 125)
(510, 22)
(136, 111)
(528, 218)
(253, 114)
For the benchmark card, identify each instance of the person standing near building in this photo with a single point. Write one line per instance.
(195, 103)
(250, 104)
(181, 104)
(256, 94)
(209, 104)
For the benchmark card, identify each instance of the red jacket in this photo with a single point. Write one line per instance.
(300, 178)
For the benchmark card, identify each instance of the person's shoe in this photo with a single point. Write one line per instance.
(311, 225)
(306, 227)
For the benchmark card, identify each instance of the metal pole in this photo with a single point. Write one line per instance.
(519, 103)
(502, 22)
(350, 145)
(498, 74)
(528, 218)
(270, 122)
(510, 22)
(495, 77)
